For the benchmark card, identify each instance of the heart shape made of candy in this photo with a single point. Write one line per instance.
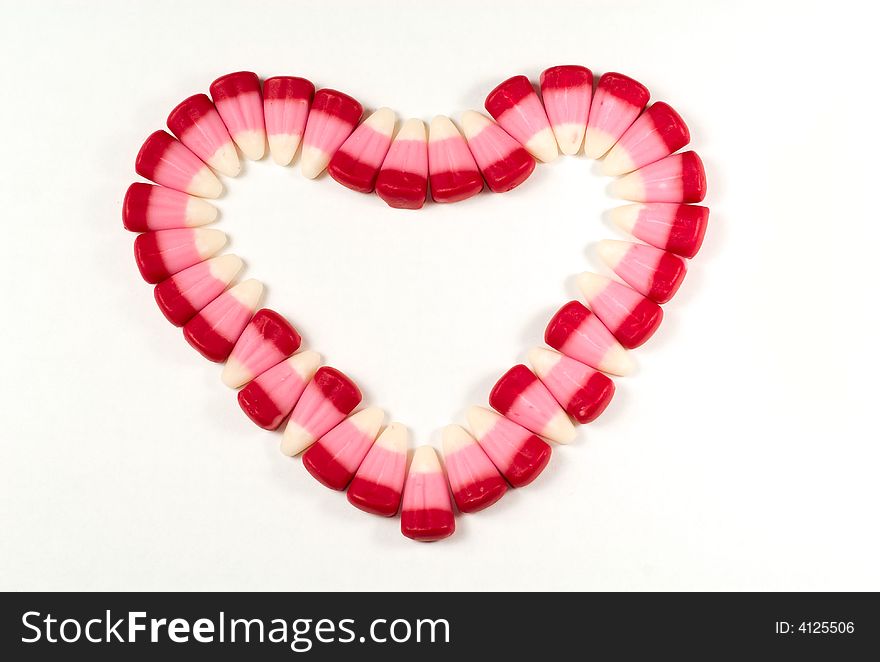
(346, 448)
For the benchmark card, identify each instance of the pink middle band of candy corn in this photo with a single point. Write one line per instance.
(286, 102)
(426, 513)
(267, 340)
(657, 133)
(518, 454)
(503, 162)
(215, 330)
(239, 102)
(163, 160)
(150, 207)
(184, 294)
(403, 179)
(332, 118)
(517, 108)
(576, 332)
(268, 399)
(567, 91)
(452, 170)
(670, 226)
(475, 482)
(628, 315)
(654, 273)
(163, 253)
(378, 483)
(335, 457)
(583, 391)
(520, 396)
(197, 124)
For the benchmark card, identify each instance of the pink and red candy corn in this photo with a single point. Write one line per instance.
(150, 207)
(356, 163)
(566, 92)
(475, 482)
(651, 271)
(332, 118)
(673, 227)
(239, 101)
(657, 133)
(268, 399)
(183, 295)
(165, 161)
(582, 391)
(452, 170)
(286, 101)
(578, 333)
(197, 125)
(517, 108)
(267, 340)
(427, 514)
(329, 398)
(677, 178)
(631, 317)
(518, 454)
(403, 179)
(378, 483)
(616, 105)
(163, 253)
(520, 396)
(335, 457)
(503, 162)
(215, 330)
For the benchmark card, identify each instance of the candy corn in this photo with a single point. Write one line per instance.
(677, 178)
(266, 341)
(520, 396)
(518, 454)
(616, 104)
(335, 457)
(240, 104)
(659, 132)
(655, 273)
(578, 333)
(452, 170)
(356, 163)
(332, 118)
(286, 101)
(582, 391)
(630, 317)
(673, 227)
(187, 292)
(165, 161)
(197, 125)
(215, 330)
(378, 482)
(475, 482)
(268, 399)
(518, 110)
(328, 399)
(403, 178)
(504, 163)
(163, 253)
(426, 515)
(566, 92)
(150, 207)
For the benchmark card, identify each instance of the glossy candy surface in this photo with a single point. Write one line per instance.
(518, 454)
(583, 392)
(673, 227)
(267, 340)
(677, 178)
(648, 270)
(631, 317)
(475, 482)
(268, 399)
(378, 483)
(328, 399)
(517, 108)
(239, 100)
(427, 514)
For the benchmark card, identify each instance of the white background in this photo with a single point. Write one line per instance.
(742, 455)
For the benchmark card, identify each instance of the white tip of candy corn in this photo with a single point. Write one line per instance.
(313, 161)
(597, 143)
(412, 129)
(296, 439)
(626, 216)
(225, 267)
(368, 421)
(543, 146)
(382, 121)
(569, 137)
(481, 420)
(394, 438)
(472, 123)
(617, 361)
(617, 162)
(198, 212)
(629, 187)
(252, 144)
(305, 363)
(455, 438)
(560, 428)
(543, 360)
(248, 293)
(591, 284)
(612, 251)
(225, 160)
(442, 128)
(425, 461)
(283, 146)
(205, 184)
(208, 242)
